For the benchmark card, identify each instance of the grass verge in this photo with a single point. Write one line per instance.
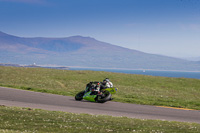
(20, 120)
(139, 89)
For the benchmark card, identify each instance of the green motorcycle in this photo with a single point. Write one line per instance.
(91, 93)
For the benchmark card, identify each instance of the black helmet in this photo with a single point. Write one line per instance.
(106, 79)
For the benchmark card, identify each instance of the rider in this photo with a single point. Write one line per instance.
(97, 86)
(106, 83)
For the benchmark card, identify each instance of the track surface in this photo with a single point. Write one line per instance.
(22, 98)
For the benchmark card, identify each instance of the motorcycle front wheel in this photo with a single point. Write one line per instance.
(106, 96)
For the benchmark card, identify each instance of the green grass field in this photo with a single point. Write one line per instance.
(138, 89)
(20, 120)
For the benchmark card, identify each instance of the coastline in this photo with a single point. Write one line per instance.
(150, 72)
(141, 69)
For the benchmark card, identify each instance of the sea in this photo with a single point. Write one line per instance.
(175, 74)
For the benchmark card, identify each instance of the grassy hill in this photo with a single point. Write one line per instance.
(138, 89)
(18, 120)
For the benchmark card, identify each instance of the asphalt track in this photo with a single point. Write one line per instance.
(22, 98)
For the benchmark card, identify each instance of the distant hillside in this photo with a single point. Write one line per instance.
(83, 52)
(193, 59)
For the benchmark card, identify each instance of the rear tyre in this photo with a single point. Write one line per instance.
(79, 96)
(103, 98)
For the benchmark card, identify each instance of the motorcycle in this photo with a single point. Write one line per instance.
(92, 93)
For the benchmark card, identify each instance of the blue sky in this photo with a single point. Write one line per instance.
(166, 27)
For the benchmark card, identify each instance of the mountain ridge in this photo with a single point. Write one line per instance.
(84, 52)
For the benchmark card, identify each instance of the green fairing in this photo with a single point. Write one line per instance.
(89, 97)
(111, 90)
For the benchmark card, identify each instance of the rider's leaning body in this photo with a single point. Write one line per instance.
(106, 84)
(100, 85)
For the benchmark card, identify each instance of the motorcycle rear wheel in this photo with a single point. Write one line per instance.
(79, 96)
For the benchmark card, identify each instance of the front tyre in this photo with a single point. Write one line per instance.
(103, 98)
(79, 96)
